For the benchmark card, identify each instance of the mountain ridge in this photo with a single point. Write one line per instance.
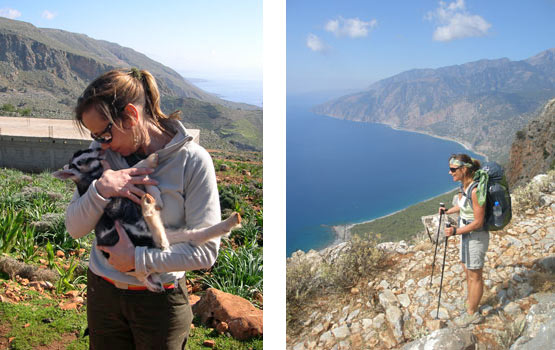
(497, 96)
(43, 71)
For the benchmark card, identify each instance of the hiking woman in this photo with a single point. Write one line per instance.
(474, 238)
(121, 110)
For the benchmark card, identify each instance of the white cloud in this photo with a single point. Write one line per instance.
(315, 43)
(454, 22)
(351, 27)
(48, 15)
(9, 13)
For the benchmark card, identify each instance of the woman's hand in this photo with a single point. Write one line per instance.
(450, 231)
(122, 254)
(121, 183)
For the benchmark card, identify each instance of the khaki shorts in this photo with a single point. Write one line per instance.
(474, 246)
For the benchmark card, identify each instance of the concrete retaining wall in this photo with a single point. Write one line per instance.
(36, 154)
(38, 144)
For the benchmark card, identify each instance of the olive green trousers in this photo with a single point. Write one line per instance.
(142, 320)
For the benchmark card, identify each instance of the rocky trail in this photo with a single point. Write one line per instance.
(397, 308)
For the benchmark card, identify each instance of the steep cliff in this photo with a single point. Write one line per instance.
(533, 151)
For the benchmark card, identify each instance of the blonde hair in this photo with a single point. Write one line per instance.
(113, 90)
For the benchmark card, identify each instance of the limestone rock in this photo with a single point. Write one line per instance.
(434, 325)
(341, 332)
(444, 339)
(394, 316)
(387, 299)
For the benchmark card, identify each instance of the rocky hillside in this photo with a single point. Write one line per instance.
(481, 104)
(44, 70)
(533, 151)
(396, 307)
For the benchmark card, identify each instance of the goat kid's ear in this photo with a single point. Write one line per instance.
(64, 174)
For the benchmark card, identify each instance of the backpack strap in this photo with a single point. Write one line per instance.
(468, 193)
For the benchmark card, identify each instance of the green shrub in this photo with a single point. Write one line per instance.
(238, 272)
(250, 232)
(7, 107)
(12, 230)
(24, 112)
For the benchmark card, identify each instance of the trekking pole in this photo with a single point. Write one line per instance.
(442, 206)
(442, 269)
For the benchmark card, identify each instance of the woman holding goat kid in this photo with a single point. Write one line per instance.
(121, 110)
(474, 237)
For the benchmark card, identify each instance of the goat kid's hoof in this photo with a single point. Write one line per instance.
(147, 200)
(148, 204)
(234, 219)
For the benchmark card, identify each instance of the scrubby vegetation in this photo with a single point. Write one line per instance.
(33, 234)
(309, 278)
(529, 196)
(10, 109)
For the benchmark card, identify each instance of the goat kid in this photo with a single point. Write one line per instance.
(143, 223)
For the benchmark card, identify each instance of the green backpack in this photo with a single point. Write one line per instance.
(497, 196)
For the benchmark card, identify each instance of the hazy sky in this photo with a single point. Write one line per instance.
(216, 39)
(334, 45)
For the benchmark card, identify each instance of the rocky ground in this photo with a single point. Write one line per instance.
(397, 308)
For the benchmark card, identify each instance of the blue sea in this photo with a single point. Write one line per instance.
(343, 172)
(245, 91)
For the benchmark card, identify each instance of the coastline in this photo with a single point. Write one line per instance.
(427, 133)
(462, 143)
(343, 232)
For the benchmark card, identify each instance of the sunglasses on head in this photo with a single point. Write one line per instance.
(453, 169)
(105, 136)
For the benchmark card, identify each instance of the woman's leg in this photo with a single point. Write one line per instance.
(475, 289)
(467, 285)
(108, 328)
(159, 320)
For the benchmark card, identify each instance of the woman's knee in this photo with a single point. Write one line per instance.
(474, 275)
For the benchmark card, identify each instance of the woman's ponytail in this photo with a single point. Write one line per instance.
(475, 165)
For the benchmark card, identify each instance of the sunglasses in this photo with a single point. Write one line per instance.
(105, 136)
(453, 169)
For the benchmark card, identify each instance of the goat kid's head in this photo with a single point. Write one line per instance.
(82, 163)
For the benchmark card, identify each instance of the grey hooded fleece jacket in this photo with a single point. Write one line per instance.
(187, 181)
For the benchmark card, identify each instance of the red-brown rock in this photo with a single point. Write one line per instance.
(209, 343)
(222, 327)
(193, 299)
(243, 318)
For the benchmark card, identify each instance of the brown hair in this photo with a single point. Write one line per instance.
(113, 90)
(465, 158)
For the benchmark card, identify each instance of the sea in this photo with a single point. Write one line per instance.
(245, 91)
(342, 172)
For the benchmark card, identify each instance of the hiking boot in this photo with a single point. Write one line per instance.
(466, 319)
